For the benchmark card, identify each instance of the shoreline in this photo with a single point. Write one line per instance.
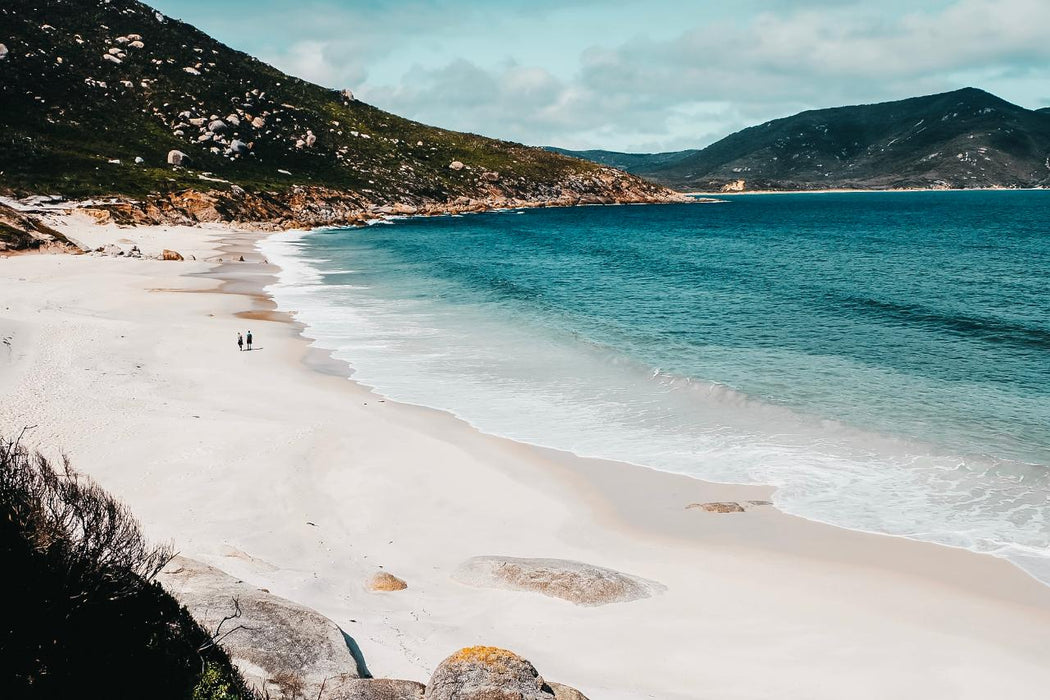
(826, 609)
(839, 190)
(587, 474)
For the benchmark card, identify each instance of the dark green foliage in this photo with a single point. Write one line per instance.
(61, 123)
(83, 616)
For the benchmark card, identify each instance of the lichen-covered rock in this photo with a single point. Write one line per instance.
(384, 581)
(351, 688)
(487, 673)
(279, 646)
(171, 255)
(576, 582)
(176, 157)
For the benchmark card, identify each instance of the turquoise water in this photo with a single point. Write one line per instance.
(883, 359)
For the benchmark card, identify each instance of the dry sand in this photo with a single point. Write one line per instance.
(272, 466)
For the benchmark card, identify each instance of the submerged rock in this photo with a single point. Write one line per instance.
(576, 582)
(487, 673)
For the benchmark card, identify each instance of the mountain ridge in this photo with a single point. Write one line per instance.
(963, 139)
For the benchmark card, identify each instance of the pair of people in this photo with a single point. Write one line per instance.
(241, 339)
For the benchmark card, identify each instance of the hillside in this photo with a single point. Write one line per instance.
(962, 139)
(637, 163)
(110, 97)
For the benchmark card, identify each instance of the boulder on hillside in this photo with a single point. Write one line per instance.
(176, 157)
(3, 52)
(281, 647)
(351, 688)
(456, 165)
(487, 673)
(576, 582)
(490, 176)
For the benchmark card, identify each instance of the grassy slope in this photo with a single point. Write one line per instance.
(68, 112)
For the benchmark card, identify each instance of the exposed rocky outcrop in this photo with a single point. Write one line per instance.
(576, 582)
(277, 645)
(20, 231)
(487, 673)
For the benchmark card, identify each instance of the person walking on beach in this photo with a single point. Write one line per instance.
(249, 339)
(240, 341)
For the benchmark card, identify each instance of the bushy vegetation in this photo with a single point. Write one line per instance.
(83, 615)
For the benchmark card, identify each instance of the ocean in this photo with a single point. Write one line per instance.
(883, 359)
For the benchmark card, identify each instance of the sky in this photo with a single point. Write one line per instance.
(641, 76)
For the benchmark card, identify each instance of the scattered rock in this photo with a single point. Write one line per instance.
(239, 147)
(490, 177)
(456, 165)
(311, 139)
(384, 581)
(576, 582)
(351, 688)
(274, 642)
(564, 692)
(3, 52)
(487, 673)
(111, 58)
(728, 506)
(139, 160)
(258, 122)
(137, 45)
(171, 255)
(191, 71)
(719, 507)
(176, 157)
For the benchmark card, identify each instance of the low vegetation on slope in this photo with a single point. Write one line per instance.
(83, 616)
(110, 97)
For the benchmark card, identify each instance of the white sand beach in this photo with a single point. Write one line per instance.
(274, 467)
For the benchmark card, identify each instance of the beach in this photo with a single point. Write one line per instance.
(276, 468)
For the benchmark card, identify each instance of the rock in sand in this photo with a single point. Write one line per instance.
(487, 673)
(576, 582)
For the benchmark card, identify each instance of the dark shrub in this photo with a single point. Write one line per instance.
(82, 614)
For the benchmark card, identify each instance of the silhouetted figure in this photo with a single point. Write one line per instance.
(240, 342)
(249, 339)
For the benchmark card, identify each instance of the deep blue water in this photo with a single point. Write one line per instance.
(883, 358)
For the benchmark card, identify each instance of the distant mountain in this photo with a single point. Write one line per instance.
(1043, 110)
(637, 163)
(110, 97)
(962, 139)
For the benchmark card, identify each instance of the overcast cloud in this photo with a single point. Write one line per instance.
(659, 75)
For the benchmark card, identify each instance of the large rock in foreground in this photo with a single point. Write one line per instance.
(280, 647)
(487, 673)
(576, 582)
